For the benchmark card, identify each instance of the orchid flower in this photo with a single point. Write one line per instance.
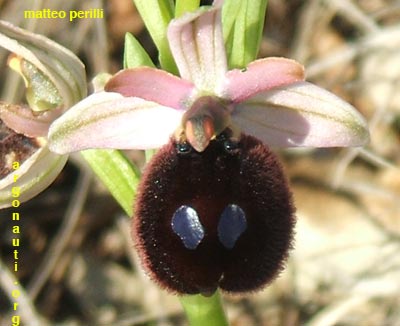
(55, 80)
(200, 209)
(141, 108)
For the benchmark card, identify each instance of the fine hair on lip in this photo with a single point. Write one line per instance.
(236, 212)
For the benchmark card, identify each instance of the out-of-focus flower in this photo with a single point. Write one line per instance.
(55, 80)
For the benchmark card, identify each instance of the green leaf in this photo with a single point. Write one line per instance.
(183, 6)
(117, 173)
(156, 15)
(202, 310)
(134, 54)
(243, 23)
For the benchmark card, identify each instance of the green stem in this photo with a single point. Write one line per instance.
(203, 311)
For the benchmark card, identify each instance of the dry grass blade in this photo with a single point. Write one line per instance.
(61, 239)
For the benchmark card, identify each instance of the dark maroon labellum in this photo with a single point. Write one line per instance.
(220, 218)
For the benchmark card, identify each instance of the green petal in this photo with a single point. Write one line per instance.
(41, 93)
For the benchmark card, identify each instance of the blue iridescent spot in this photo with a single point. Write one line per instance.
(231, 225)
(186, 224)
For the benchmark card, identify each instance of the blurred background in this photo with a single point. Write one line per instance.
(76, 258)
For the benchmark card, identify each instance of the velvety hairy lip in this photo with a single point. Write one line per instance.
(219, 218)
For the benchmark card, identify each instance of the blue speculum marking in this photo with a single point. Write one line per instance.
(231, 225)
(186, 224)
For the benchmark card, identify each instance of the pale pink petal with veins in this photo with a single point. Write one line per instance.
(301, 114)
(197, 44)
(110, 120)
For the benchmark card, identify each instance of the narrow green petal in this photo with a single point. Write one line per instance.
(202, 310)
(41, 93)
(134, 54)
(117, 173)
(243, 24)
(156, 15)
(183, 6)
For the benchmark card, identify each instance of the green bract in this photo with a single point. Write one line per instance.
(156, 15)
(184, 6)
(134, 54)
(243, 23)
